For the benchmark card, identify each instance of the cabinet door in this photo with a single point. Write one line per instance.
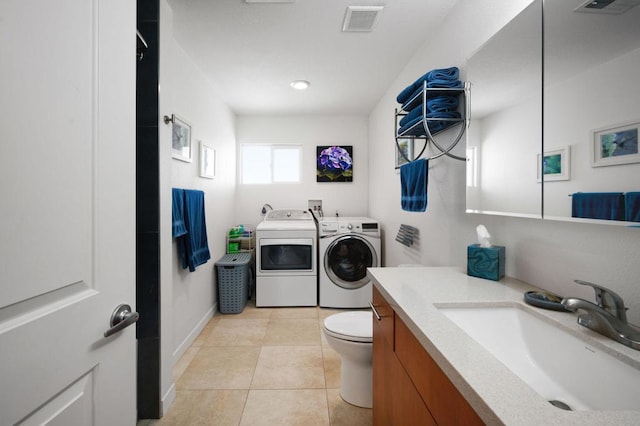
(382, 353)
(395, 399)
(445, 402)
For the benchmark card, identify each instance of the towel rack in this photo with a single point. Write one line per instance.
(430, 137)
(406, 235)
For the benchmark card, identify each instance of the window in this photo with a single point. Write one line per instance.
(270, 163)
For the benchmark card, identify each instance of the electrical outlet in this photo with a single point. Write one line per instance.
(315, 205)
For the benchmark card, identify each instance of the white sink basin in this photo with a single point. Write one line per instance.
(555, 363)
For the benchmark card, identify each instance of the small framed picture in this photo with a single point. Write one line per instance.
(555, 165)
(404, 152)
(615, 145)
(180, 139)
(207, 161)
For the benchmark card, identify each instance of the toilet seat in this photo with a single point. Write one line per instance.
(356, 326)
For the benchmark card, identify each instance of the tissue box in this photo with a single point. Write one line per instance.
(485, 262)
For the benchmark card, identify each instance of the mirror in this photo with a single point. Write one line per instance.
(592, 110)
(504, 137)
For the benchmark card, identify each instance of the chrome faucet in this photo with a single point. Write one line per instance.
(608, 317)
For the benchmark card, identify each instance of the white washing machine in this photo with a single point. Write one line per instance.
(347, 247)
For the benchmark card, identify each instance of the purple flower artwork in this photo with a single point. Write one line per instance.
(334, 164)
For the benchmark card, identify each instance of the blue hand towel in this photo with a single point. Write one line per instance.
(194, 247)
(598, 205)
(414, 178)
(436, 74)
(632, 206)
(177, 213)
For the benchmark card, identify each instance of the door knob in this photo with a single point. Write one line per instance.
(121, 318)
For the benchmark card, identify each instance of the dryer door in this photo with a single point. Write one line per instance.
(347, 259)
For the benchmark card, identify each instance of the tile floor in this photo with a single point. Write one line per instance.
(264, 366)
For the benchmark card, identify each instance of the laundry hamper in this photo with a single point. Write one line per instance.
(234, 275)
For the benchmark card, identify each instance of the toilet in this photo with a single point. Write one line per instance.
(350, 334)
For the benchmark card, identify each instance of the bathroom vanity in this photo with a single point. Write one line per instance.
(428, 369)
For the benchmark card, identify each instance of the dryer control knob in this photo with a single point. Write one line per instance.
(349, 227)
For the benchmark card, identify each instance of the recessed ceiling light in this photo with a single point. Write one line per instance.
(300, 84)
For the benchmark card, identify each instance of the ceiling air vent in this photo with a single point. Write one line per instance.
(611, 7)
(361, 18)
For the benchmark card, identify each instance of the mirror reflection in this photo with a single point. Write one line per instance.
(591, 111)
(505, 134)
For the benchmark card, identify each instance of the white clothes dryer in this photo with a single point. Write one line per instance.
(347, 247)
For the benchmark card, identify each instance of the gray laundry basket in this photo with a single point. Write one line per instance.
(234, 275)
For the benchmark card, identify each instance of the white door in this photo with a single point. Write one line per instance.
(67, 211)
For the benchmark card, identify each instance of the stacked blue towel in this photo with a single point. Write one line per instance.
(440, 104)
(415, 127)
(598, 205)
(444, 77)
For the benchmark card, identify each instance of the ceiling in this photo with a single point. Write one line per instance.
(252, 51)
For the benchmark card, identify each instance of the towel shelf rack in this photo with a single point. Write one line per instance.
(429, 137)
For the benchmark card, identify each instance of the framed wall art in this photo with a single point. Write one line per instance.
(180, 139)
(207, 161)
(555, 165)
(334, 163)
(615, 145)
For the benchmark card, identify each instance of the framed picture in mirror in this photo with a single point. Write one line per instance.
(207, 161)
(555, 165)
(180, 139)
(404, 152)
(615, 145)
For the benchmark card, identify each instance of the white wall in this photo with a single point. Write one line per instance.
(348, 198)
(545, 253)
(189, 298)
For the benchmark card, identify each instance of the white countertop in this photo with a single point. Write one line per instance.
(496, 393)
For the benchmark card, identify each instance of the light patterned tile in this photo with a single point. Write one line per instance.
(332, 364)
(286, 407)
(204, 408)
(289, 367)
(250, 311)
(342, 413)
(294, 332)
(184, 361)
(202, 337)
(308, 313)
(220, 368)
(238, 332)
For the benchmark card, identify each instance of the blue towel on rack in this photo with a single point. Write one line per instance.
(414, 177)
(598, 205)
(437, 104)
(442, 103)
(632, 206)
(415, 127)
(440, 74)
(416, 97)
(193, 246)
(177, 213)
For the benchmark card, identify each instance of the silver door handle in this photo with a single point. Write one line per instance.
(121, 318)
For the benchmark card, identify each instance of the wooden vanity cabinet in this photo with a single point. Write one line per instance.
(408, 386)
(395, 400)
